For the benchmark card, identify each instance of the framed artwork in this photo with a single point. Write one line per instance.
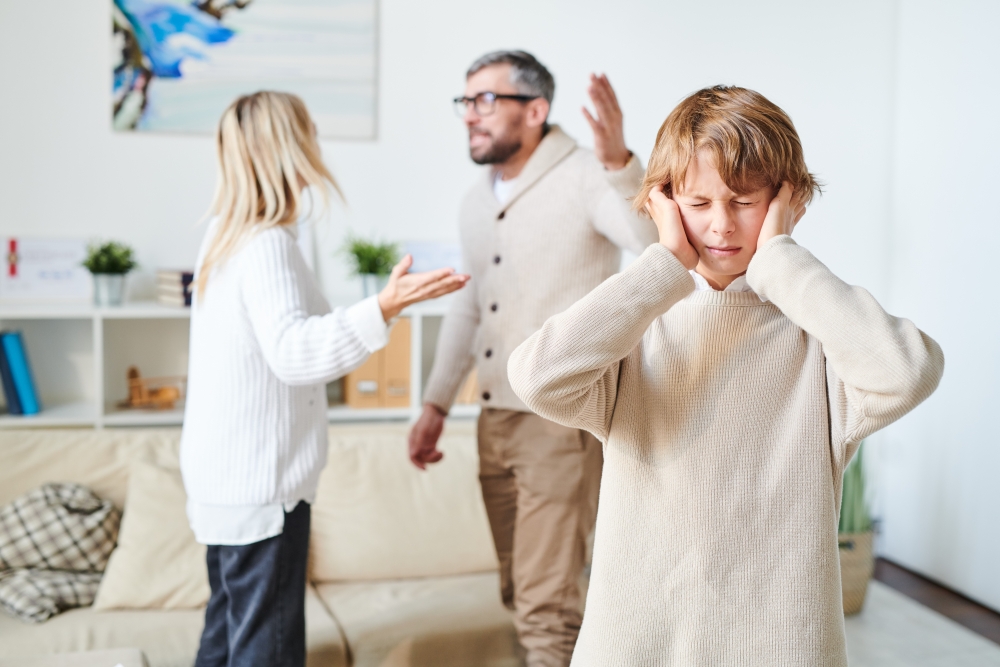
(179, 63)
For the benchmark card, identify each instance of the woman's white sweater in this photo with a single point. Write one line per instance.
(263, 345)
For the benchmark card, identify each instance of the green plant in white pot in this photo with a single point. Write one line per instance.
(373, 262)
(857, 561)
(109, 263)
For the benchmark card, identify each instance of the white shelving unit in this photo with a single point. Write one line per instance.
(79, 355)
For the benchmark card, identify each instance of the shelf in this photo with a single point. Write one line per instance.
(75, 413)
(118, 417)
(76, 310)
(342, 413)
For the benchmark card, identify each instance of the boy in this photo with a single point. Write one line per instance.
(730, 376)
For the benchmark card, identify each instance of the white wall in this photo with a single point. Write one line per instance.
(938, 468)
(64, 172)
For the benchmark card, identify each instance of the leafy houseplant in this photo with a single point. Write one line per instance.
(109, 263)
(372, 261)
(857, 562)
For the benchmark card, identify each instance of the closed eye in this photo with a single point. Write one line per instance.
(746, 203)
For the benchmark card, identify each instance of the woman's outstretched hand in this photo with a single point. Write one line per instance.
(783, 213)
(405, 289)
(664, 212)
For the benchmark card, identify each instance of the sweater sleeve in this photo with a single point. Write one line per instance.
(879, 367)
(302, 349)
(568, 370)
(453, 357)
(612, 210)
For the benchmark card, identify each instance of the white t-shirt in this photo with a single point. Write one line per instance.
(502, 188)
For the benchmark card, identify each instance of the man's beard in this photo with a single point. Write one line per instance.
(499, 151)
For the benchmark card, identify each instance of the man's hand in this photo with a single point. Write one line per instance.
(783, 213)
(664, 212)
(424, 436)
(609, 139)
(405, 289)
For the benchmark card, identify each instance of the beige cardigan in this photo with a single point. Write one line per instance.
(728, 422)
(557, 237)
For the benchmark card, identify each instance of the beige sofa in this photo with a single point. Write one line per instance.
(402, 565)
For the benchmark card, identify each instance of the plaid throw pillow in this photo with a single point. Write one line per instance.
(58, 527)
(37, 595)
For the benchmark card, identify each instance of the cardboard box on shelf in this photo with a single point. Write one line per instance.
(384, 380)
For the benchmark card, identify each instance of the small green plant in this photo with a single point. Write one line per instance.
(111, 257)
(854, 516)
(372, 258)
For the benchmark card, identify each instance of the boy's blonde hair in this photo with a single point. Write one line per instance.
(267, 151)
(751, 142)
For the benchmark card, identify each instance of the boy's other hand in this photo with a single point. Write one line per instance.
(664, 212)
(405, 288)
(609, 138)
(783, 213)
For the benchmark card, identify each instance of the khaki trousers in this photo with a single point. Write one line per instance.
(540, 483)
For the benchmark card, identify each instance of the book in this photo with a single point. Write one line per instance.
(20, 370)
(7, 380)
(173, 288)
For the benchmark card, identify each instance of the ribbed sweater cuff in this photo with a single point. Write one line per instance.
(769, 269)
(628, 179)
(658, 273)
(366, 318)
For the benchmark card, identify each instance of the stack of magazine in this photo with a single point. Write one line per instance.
(15, 375)
(173, 288)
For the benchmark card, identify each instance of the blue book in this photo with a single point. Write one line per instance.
(17, 358)
(7, 380)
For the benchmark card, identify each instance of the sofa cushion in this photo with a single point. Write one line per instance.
(99, 460)
(168, 638)
(433, 622)
(376, 516)
(158, 564)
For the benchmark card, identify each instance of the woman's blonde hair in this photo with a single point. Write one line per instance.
(751, 142)
(267, 152)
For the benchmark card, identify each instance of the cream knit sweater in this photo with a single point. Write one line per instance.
(556, 238)
(727, 424)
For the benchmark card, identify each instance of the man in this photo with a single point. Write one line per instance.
(541, 230)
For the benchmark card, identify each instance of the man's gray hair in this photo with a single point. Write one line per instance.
(526, 74)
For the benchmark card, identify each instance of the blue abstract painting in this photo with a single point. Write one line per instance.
(178, 64)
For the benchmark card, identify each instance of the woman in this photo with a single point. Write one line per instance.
(263, 345)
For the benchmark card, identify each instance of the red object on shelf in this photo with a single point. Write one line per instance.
(12, 258)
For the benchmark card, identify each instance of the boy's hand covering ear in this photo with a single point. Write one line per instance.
(783, 213)
(667, 217)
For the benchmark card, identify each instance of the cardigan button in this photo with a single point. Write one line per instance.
(502, 214)
(489, 353)
(496, 259)
(494, 307)
(486, 395)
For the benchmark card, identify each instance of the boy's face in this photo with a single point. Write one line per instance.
(721, 225)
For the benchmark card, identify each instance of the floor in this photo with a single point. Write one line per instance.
(895, 631)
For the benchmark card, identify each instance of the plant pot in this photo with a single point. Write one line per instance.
(857, 564)
(373, 283)
(109, 289)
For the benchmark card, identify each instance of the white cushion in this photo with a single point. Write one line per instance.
(376, 516)
(157, 563)
(436, 622)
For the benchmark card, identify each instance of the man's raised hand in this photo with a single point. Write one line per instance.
(664, 212)
(609, 138)
(783, 213)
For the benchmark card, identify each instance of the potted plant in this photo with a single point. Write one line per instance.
(857, 562)
(373, 262)
(109, 263)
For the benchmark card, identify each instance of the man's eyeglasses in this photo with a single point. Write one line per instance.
(486, 103)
